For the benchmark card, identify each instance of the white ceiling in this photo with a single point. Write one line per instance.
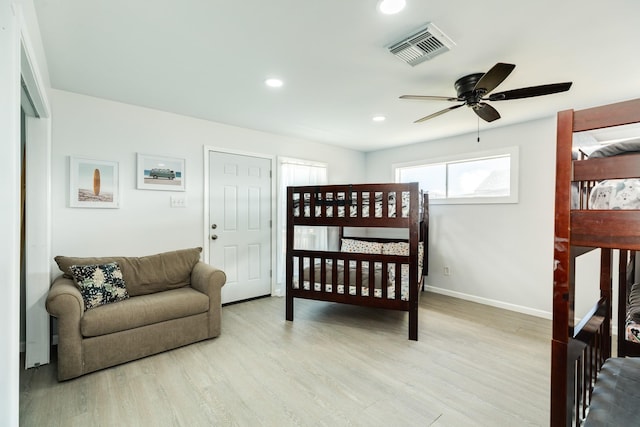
(209, 59)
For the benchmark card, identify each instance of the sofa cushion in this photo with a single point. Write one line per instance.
(143, 310)
(145, 275)
(99, 284)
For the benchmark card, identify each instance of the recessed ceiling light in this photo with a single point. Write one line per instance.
(273, 82)
(379, 118)
(390, 7)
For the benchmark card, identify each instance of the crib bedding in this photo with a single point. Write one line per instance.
(338, 203)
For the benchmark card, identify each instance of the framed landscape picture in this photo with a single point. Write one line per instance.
(160, 173)
(93, 183)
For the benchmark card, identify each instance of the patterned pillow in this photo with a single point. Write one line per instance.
(99, 284)
(402, 249)
(361, 246)
(395, 248)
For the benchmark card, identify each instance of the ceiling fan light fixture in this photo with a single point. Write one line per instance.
(391, 7)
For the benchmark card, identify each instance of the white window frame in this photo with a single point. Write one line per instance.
(512, 152)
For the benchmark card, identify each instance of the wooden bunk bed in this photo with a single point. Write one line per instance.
(585, 380)
(363, 271)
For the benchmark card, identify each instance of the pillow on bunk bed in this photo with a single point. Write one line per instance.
(616, 194)
(360, 246)
(402, 249)
(615, 149)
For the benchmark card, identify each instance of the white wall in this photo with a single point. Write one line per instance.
(145, 224)
(499, 254)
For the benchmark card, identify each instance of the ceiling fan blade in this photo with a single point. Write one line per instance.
(492, 78)
(429, 98)
(528, 92)
(486, 112)
(438, 113)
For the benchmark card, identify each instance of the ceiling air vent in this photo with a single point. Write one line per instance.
(427, 42)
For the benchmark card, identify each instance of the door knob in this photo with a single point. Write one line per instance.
(214, 226)
(214, 237)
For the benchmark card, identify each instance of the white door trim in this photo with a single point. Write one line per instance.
(38, 209)
(9, 212)
(207, 149)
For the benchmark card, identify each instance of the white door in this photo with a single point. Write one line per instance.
(240, 223)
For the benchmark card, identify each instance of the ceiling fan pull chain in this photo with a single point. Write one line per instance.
(478, 117)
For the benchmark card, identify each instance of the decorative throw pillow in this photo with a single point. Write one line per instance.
(361, 246)
(99, 284)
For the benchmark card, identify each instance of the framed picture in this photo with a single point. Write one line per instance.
(160, 173)
(93, 184)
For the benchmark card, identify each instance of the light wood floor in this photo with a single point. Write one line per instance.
(335, 365)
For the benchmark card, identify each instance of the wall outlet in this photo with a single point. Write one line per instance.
(179, 201)
(447, 270)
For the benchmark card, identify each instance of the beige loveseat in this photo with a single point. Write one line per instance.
(171, 299)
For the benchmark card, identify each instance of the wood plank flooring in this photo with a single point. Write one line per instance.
(334, 365)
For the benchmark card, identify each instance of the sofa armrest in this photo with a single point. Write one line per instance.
(209, 280)
(64, 301)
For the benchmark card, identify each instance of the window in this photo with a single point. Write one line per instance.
(484, 177)
(297, 172)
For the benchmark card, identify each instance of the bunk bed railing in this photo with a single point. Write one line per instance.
(620, 167)
(320, 268)
(624, 226)
(586, 352)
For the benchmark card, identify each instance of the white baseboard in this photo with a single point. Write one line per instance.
(501, 304)
(491, 302)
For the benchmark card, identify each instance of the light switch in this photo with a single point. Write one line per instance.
(179, 201)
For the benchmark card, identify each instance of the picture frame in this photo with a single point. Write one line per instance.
(160, 173)
(93, 183)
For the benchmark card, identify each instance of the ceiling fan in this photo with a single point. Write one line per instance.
(474, 89)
